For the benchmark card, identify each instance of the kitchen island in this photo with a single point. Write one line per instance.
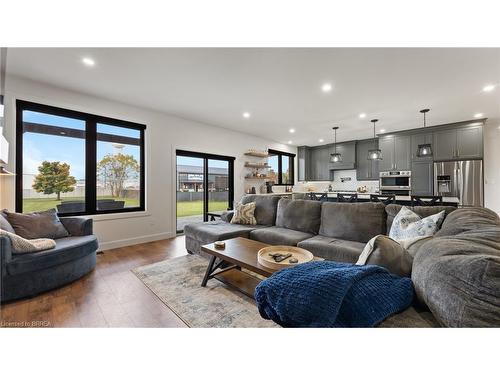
(404, 200)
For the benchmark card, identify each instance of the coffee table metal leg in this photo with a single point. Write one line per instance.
(209, 271)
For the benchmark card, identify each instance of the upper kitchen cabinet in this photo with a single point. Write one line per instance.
(348, 152)
(396, 153)
(304, 163)
(320, 160)
(421, 139)
(366, 169)
(465, 142)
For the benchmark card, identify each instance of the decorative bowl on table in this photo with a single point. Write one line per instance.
(269, 256)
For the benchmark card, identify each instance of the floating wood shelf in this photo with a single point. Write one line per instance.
(250, 165)
(256, 178)
(257, 154)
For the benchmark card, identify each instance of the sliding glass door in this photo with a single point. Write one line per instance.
(204, 187)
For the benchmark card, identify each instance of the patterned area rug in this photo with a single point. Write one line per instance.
(177, 283)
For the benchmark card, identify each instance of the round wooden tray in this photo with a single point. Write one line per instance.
(302, 255)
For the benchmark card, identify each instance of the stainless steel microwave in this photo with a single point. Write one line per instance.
(395, 180)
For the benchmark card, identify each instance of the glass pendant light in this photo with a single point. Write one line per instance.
(424, 149)
(335, 157)
(375, 153)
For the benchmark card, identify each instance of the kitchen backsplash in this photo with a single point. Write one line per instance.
(344, 180)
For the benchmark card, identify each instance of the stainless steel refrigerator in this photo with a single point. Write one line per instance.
(461, 179)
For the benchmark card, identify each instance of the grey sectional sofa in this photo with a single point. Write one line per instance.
(456, 274)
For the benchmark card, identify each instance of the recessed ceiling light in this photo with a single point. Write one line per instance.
(246, 114)
(292, 130)
(88, 61)
(289, 142)
(326, 87)
(362, 115)
(382, 130)
(321, 140)
(477, 115)
(488, 88)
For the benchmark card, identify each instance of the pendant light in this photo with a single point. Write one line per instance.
(375, 153)
(335, 157)
(424, 149)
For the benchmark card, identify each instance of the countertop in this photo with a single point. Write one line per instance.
(405, 198)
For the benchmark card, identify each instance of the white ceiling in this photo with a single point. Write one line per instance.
(281, 87)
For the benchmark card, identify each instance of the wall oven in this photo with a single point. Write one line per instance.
(395, 182)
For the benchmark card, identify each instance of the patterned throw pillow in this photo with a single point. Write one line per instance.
(407, 224)
(244, 214)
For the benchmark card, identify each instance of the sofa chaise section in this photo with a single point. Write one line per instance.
(199, 234)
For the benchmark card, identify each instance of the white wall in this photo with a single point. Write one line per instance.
(492, 165)
(165, 134)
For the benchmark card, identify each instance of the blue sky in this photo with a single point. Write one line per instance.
(40, 147)
(185, 160)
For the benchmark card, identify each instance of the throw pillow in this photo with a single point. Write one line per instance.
(244, 214)
(44, 224)
(4, 224)
(407, 224)
(388, 253)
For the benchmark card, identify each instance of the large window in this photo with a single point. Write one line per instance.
(77, 163)
(281, 171)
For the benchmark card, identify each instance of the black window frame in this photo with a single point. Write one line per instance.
(280, 155)
(91, 122)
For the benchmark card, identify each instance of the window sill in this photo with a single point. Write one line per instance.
(118, 216)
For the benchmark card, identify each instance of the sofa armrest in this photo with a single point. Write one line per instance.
(77, 226)
(227, 216)
(5, 251)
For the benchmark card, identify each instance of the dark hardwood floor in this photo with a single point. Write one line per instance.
(110, 296)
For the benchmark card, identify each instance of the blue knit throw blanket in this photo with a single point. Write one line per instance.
(331, 294)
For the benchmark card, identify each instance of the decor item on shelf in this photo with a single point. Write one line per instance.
(424, 149)
(375, 153)
(335, 157)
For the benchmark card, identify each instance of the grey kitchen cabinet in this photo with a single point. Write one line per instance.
(445, 144)
(304, 163)
(386, 145)
(422, 178)
(348, 152)
(366, 169)
(320, 160)
(420, 139)
(459, 143)
(395, 153)
(470, 142)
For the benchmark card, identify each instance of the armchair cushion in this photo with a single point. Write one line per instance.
(44, 224)
(77, 226)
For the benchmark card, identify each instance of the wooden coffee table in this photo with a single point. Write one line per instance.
(225, 264)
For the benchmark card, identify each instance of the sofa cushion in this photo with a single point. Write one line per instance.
(383, 251)
(300, 215)
(66, 250)
(279, 236)
(458, 277)
(333, 248)
(352, 221)
(423, 211)
(468, 218)
(44, 224)
(4, 223)
(265, 208)
(217, 231)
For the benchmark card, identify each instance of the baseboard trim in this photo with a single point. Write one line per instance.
(103, 246)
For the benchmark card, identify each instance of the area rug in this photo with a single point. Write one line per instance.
(177, 281)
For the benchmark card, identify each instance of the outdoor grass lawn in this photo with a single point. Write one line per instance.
(42, 204)
(196, 208)
(183, 208)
